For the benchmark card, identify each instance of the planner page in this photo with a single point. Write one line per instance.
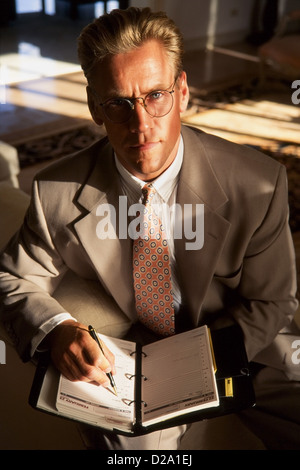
(179, 376)
(98, 405)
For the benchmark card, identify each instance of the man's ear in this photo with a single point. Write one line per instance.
(94, 107)
(184, 91)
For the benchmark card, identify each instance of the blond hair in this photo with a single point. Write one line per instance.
(121, 31)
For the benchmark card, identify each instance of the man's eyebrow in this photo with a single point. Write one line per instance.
(115, 93)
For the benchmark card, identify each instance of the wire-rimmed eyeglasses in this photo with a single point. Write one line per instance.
(157, 103)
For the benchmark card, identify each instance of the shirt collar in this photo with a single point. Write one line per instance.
(163, 184)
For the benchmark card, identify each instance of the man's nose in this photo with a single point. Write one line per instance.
(140, 120)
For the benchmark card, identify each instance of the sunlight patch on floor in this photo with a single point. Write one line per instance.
(251, 121)
(20, 67)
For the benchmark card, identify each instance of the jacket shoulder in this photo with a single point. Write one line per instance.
(227, 155)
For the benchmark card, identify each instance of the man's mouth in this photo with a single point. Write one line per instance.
(144, 146)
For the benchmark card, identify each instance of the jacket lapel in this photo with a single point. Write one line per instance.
(198, 185)
(110, 256)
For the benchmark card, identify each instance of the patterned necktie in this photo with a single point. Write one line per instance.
(152, 272)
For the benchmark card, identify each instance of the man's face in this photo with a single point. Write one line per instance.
(145, 145)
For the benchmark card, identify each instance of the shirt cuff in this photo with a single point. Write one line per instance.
(45, 328)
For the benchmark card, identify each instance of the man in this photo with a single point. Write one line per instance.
(244, 273)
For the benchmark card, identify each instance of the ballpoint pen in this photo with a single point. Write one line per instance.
(93, 334)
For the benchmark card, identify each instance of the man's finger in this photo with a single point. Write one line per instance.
(77, 369)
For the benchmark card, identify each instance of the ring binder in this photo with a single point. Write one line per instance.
(130, 376)
(135, 352)
(137, 411)
(129, 402)
(245, 371)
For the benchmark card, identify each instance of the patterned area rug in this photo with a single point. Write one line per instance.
(57, 145)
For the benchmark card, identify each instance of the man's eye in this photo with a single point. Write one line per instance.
(117, 103)
(155, 95)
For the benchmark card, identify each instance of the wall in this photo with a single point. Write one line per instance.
(220, 22)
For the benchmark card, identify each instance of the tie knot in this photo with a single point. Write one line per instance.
(148, 192)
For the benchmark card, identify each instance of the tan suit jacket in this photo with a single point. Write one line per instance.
(245, 271)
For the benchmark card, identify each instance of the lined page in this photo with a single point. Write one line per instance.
(180, 376)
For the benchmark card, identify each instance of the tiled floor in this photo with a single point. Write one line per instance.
(37, 55)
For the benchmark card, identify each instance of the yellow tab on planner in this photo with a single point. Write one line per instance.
(228, 387)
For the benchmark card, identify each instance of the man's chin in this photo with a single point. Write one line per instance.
(149, 172)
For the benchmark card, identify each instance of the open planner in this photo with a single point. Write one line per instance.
(162, 384)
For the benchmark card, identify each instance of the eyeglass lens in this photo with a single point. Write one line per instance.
(157, 104)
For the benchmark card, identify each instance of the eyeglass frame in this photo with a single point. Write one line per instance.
(132, 101)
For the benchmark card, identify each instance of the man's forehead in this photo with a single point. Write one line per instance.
(146, 68)
(137, 85)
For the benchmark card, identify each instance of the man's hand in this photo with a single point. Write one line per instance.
(77, 355)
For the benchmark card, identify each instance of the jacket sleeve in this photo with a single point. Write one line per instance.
(267, 289)
(30, 270)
